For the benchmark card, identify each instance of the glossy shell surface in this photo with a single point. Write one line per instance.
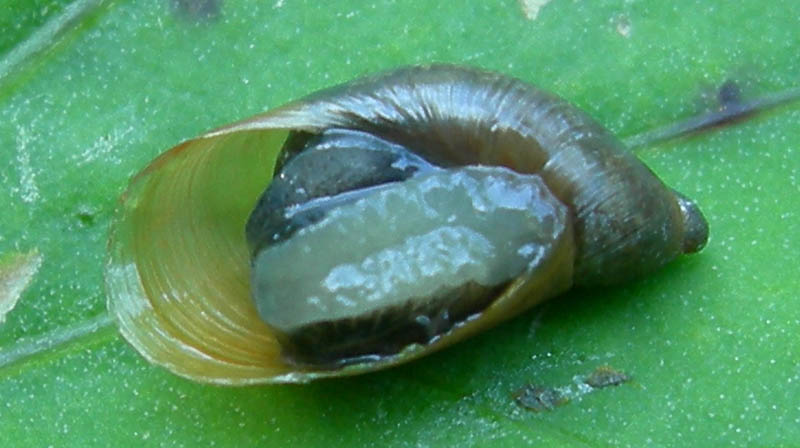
(179, 268)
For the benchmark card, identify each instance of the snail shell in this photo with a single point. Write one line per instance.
(357, 157)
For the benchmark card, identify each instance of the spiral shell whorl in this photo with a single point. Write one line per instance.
(627, 222)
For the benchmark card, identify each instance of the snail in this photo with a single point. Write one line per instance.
(408, 210)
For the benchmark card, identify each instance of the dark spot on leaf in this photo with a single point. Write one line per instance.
(539, 398)
(605, 376)
(198, 10)
(85, 219)
(729, 94)
(85, 215)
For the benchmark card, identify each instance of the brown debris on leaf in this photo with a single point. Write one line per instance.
(539, 398)
(606, 376)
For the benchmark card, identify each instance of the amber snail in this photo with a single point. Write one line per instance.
(408, 210)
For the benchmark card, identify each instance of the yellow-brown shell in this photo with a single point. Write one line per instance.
(178, 272)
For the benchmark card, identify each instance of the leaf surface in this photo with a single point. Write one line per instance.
(91, 91)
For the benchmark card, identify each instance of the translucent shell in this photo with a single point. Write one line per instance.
(179, 268)
(178, 273)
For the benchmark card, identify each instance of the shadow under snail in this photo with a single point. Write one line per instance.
(408, 210)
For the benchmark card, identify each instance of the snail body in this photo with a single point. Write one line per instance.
(407, 211)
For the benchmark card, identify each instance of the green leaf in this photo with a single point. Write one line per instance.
(90, 91)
